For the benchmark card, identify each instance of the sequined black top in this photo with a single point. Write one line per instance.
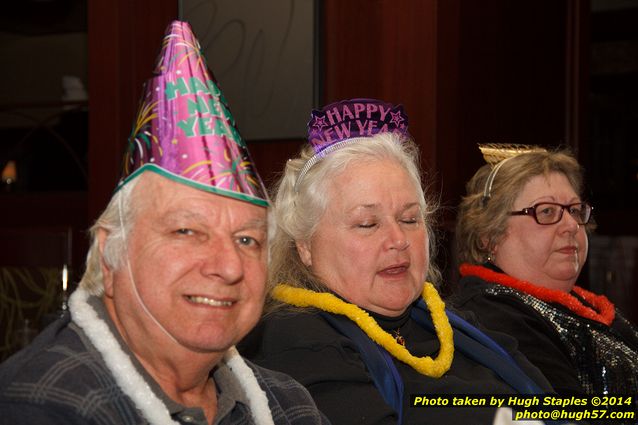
(577, 355)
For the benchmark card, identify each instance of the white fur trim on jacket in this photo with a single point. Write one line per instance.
(256, 396)
(134, 385)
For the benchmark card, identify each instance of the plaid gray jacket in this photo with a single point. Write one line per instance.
(62, 379)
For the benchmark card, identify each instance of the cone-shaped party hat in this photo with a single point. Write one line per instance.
(184, 129)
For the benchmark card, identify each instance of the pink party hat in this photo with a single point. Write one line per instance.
(184, 129)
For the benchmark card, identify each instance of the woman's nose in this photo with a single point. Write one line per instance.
(568, 222)
(397, 238)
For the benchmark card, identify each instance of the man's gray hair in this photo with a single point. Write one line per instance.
(116, 220)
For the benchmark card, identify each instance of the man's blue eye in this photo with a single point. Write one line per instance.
(247, 241)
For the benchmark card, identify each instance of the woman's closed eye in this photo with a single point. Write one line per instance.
(367, 225)
(409, 220)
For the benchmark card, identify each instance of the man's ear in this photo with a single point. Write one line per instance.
(303, 248)
(107, 273)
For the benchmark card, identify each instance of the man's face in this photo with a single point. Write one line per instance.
(198, 261)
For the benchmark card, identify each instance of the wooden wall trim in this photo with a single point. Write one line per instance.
(124, 40)
(577, 55)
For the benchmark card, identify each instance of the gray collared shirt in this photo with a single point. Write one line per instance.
(229, 391)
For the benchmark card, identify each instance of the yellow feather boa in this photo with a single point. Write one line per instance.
(434, 368)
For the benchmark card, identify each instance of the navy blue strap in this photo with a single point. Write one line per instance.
(468, 339)
(476, 345)
(377, 360)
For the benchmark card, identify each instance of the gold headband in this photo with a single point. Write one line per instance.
(496, 154)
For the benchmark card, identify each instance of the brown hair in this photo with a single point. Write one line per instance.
(481, 223)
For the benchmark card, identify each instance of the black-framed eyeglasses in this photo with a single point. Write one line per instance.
(551, 212)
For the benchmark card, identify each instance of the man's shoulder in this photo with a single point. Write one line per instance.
(287, 398)
(55, 349)
(274, 379)
(58, 372)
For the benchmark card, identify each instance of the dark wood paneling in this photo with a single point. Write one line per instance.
(466, 72)
(124, 40)
(388, 52)
(449, 151)
(512, 71)
(609, 152)
(509, 85)
(270, 157)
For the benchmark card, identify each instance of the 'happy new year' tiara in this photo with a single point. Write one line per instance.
(340, 124)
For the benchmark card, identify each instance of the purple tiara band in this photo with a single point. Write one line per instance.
(354, 118)
(350, 121)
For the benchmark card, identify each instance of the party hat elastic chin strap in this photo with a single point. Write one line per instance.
(130, 274)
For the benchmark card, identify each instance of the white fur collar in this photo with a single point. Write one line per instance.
(134, 385)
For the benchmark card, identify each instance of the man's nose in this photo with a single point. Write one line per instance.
(223, 260)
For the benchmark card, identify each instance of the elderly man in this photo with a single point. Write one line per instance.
(175, 277)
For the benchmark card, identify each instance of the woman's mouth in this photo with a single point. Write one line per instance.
(396, 270)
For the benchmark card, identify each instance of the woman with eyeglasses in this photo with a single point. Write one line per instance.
(522, 241)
